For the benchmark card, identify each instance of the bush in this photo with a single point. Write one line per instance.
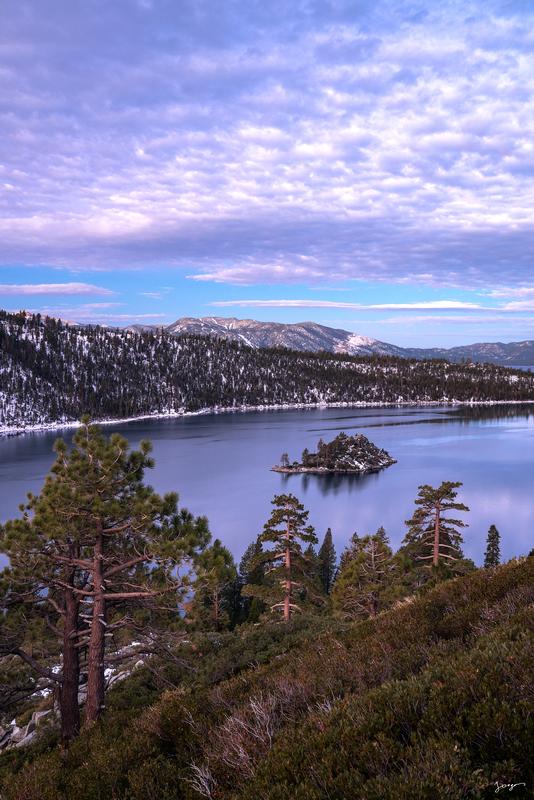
(430, 699)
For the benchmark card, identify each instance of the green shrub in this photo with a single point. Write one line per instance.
(430, 699)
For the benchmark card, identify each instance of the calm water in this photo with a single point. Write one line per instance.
(220, 467)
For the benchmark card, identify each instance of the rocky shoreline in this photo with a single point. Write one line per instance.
(344, 455)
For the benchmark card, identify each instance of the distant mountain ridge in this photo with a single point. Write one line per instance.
(52, 373)
(312, 337)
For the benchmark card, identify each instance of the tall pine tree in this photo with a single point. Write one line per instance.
(433, 535)
(327, 562)
(103, 549)
(286, 530)
(492, 556)
(362, 585)
(216, 575)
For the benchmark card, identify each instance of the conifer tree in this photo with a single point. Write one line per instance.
(363, 581)
(327, 562)
(286, 529)
(216, 574)
(31, 636)
(312, 557)
(492, 557)
(432, 535)
(349, 552)
(106, 548)
(312, 586)
(252, 573)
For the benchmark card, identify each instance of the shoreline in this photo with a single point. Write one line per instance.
(7, 431)
(325, 471)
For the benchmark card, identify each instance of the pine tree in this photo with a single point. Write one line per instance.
(348, 553)
(286, 529)
(38, 630)
(312, 585)
(252, 573)
(216, 574)
(433, 536)
(312, 558)
(363, 581)
(492, 557)
(327, 562)
(106, 548)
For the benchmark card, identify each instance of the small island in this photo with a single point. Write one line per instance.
(344, 454)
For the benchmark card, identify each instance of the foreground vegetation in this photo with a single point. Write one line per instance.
(388, 675)
(323, 709)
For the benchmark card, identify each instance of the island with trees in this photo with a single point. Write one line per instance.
(344, 454)
(139, 660)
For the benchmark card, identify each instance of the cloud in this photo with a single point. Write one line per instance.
(431, 304)
(519, 305)
(507, 291)
(288, 143)
(52, 288)
(457, 319)
(159, 294)
(92, 313)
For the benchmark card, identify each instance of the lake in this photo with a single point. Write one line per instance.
(220, 466)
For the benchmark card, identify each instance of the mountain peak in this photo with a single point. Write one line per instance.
(314, 337)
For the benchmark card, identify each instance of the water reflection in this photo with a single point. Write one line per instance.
(442, 416)
(333, 483)
(220, 466)
(482, 413)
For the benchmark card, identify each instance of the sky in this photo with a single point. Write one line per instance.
(366, 164)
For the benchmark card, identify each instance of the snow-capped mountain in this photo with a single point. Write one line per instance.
(312, 337)
(309, 336)
(51, 373)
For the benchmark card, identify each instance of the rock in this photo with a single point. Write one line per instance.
(30, 726)
(17, 734)
(38, 716)
(26, 740)
(5, 739)
(344, 454)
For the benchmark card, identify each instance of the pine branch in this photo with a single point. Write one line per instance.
(42, 671)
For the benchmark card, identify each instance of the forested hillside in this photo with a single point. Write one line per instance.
(138, 660)
(53, 372)
(431, 699)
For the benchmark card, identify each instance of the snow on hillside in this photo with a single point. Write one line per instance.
(52, 373)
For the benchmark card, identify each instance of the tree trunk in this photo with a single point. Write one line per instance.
(435, 554)
(287, 599)
(97, 640)
(216, 608)
(68, 690)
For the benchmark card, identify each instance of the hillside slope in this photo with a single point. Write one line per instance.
(307, 336)
(313, 337)
(51, 372)
(431, 699)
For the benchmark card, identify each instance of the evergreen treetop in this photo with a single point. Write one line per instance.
(432, 535)
(492, 556)
(363, 583)
(100, 550)
(286, 529)
(327, 562)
